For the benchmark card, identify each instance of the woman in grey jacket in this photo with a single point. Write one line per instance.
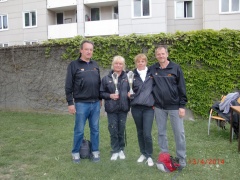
(116, 105)
(142, 102)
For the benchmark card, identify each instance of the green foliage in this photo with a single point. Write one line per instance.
(210, 59)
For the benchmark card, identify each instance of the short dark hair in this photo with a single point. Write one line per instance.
(85, 41)
(161, 47)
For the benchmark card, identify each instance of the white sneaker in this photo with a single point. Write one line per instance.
(121, 155)
(114, 157)
(150, 162)
(141, 158)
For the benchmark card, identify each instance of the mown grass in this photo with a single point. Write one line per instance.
(38, 146)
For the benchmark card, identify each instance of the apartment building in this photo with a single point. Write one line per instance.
(34, 21)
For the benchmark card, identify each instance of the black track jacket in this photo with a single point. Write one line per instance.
(108, 87)
(82, 81)
(169, 86)
(143, 90)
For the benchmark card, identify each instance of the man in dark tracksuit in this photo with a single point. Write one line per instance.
(170, 99)
(82, 93)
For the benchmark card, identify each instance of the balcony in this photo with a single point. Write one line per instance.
(63, 5)
(100, 3)
(62, 31)
(101, 28)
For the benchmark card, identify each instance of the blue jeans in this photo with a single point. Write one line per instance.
(143, 117)
(84, 111)
(116, 128)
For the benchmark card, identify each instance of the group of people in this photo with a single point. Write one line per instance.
(158, 91)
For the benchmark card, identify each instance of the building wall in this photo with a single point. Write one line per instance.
(162, 19)
(214, 20)
(148, 25)
(195, 23)
(81, 12)
(106, 12)
(16, 34)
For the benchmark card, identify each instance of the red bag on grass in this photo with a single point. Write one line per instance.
(167, 163)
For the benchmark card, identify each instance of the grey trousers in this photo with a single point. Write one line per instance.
(178, 130)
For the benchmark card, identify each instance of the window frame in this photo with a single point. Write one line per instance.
(229, 7)
(31, 42)
(2, 22)
(3, 45)
(176, 9)
(57, 17)
(30, 19)
(99, 14)
(141, 9)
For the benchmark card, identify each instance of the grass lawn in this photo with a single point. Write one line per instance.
(38, 146)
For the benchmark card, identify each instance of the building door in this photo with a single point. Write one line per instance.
(95, 16)
(59, 18)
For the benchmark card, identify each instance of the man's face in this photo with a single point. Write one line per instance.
(161, 55)
(86, 51)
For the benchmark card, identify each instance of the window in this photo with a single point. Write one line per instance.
(2, 1)
(183, 9)
(59, 18)
(115, 12)
(229, 6)
(3, 45)
(30, 42)
(95, 15)
(141, 8)
(3, 22)
(30, 19)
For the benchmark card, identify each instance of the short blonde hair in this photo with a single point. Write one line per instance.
(140, 56)
(118, 58)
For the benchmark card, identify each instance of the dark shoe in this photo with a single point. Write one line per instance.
(95, 157)
(182, 163)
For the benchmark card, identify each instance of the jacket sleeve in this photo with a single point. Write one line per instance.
(181, 89)
(103, 90)
(69, 85)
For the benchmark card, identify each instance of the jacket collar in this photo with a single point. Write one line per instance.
(80, 60)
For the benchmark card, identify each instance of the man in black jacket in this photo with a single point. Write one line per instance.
(82, 93)
(170, 99)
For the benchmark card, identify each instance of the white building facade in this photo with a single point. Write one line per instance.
(34, 21)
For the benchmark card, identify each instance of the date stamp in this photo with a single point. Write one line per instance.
(206, 161)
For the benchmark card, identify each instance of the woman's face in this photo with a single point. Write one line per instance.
(118, 66)
(141, 64)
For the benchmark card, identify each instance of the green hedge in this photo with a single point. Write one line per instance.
(210, 59)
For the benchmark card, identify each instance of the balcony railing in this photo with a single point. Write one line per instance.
(101, 28)
(100, 3)
(52, 4)
(62, 31)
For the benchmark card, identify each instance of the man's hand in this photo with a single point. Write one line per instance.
(71, 109)
(181, 112)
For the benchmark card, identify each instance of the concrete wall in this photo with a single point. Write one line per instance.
(31, 82)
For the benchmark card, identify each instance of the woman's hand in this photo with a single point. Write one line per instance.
(114, 96)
